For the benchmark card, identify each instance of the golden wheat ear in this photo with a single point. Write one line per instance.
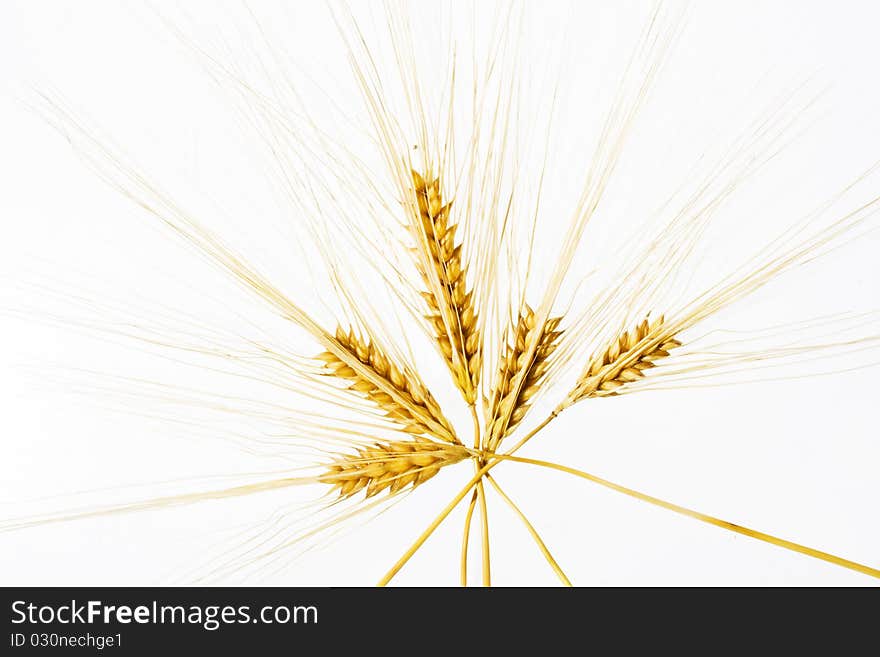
(391, 465)
(624, 361)
(451, 309)
(395, 389)
(521, 373)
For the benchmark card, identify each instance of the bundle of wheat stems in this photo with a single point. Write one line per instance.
(447, 256)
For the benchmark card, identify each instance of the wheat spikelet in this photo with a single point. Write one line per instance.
(392, 465)
(624, 360)
(518, 380)
(397, 391)
(452, 313)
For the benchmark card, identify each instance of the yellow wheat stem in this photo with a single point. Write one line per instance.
(540, 543)
(484, 515)
(495, 459)
(426, 534)
(484, 511)
(479, 495)
(702, 517)
(468, 518)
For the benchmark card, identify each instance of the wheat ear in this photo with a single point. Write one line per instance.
(452, 314)
(396, 390)
(390, 465)
(519, 377)
(624, 361)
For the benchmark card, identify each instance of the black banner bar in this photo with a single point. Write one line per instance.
(150, 621)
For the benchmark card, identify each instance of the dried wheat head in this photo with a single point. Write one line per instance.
(624, 360)
(390, 465)
(519, 377)
(452, 314)
(398, 392)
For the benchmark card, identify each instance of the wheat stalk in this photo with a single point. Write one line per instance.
(520, 377)
(390, 465)
(452, 314)
(400, 394)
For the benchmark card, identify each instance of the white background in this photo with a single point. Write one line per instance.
(794, 458)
